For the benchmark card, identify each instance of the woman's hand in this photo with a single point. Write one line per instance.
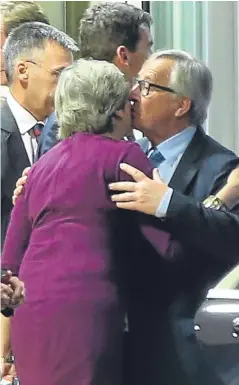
(8, 371)
(20, 184)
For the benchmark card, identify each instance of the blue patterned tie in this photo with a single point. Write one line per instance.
(155, 157)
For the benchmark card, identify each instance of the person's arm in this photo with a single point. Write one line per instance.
(17, 237)
(7, 367)
(212, 231)
(161, 240)
(228, 195)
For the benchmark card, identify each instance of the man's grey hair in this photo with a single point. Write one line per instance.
(25, 39)
(191, 78)
(88, 95)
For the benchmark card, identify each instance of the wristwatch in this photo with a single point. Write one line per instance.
(7, 360)
(214, 202)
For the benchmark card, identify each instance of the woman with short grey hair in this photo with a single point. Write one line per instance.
(74, 249)
(88, 97)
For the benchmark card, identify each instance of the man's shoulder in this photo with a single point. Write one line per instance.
(7, 121)
(215, 148)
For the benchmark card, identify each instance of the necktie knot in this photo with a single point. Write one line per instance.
(36, 130)
(35, 133)
(155, 156)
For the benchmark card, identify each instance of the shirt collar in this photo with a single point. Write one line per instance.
(25, 121)
(177, 144)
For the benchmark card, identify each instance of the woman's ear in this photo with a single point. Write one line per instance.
(119, 114)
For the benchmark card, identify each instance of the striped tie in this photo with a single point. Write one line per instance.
(36, 130)
(35, 133)
(155, 156)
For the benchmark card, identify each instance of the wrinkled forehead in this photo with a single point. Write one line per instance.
(157, 70)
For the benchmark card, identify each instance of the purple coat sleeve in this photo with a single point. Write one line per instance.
(18, 233)
(150, 227)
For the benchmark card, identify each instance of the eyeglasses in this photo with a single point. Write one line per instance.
(50, 71)
(145, 86)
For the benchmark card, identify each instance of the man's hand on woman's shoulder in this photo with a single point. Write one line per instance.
(20, 184)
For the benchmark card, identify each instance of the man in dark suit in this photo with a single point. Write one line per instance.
(175, 94)
(32, 80)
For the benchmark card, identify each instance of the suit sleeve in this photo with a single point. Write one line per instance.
(49, 136)
(17, 237)
(213, 231)
(161, 240)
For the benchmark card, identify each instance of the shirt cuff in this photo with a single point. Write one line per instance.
(163, 206)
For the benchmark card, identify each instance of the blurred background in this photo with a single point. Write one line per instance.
(207, 29)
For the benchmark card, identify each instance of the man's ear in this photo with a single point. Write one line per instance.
(122, 56)
(22, 71)
(184, 107)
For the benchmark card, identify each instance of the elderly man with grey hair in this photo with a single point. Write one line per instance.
(174, 92)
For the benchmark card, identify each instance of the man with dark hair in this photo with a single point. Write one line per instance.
(13, 14)
(118, 33)
(115, 32)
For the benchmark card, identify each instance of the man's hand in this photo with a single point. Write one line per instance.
(18, 292)
(229, 194)
(12, 291)
(6, 291)
(20, 184)
(6, 294)
(143, 195)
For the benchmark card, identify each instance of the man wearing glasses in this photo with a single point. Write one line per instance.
(34, 53)
(171, 98)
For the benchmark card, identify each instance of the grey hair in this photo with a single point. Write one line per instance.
(191, 78)
(24, 39)
(88, 95)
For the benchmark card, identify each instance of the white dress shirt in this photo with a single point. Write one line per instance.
(25, 121)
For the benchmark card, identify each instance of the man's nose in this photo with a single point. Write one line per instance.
(134, 94)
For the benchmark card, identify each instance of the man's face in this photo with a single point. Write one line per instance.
(2, 42)
(156, 110)
(42, 74)
(144, 47)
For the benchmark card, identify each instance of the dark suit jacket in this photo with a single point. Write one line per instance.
(165, 349)
(49, 135)
(13, 161)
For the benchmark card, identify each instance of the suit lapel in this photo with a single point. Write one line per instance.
(15, 147)
(189, 163)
